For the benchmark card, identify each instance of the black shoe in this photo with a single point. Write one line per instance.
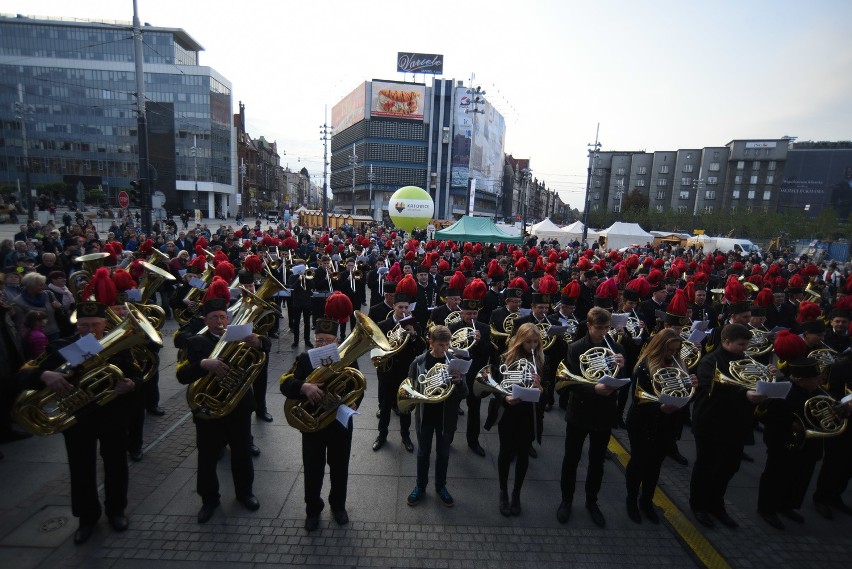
(254, 451)
(83, 533)
(118, 522)
(703, 518)
(477, 449)
(406, 442)
(772, 519)
(156, 411)
(312, 523)
(633, 511)
(250, 502)
(596, 515)
(379, 442)
(515, 506)
(533, 452)
(14, 435)
(415, 496)
(265, 416)
(793, 515)
(340, 516)
(504, 504)
(824, 510)
(563, 512)
(747, 458)
(649, 511)
(206, 512)
(135, 455)
(308, 344)
(726, 520)
(678, 458)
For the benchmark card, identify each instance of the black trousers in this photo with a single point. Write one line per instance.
(259, 388)
(296, 315)
(388, 386)
(514, 442)
(136, 419)
(211, 436)
(331, 446)
(836, 469)
(716, 463)
(474, 425)
(785, 479)
(647, 452)
(106, 426)
(575, 438)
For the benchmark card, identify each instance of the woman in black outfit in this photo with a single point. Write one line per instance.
(651, 426)
(518, 423)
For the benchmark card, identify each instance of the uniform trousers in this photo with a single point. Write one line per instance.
(716, 462)
(211, 436)
(836, 469)
(575, 438)
(331, 446)
(296, 315)
(647, 452)
(388, 387)
(785, 479)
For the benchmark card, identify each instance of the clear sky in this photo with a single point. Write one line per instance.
(657, 75)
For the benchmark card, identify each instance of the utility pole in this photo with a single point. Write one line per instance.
(195, 168)
(325, 131)
(525, 180)
(593, 153)
(141, 124)
(242, 188)
(21, 115)
(370, 177)
(353, 161)
(477, 98)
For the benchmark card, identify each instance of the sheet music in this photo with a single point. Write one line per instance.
(775, 389)
(679, 402)
(615, 382)
(236, 333)
(134, 295)
(324, 355)
(81, 350)
(697, 336)
(619, 320)
(700, 325)
(344, 412)
(459, 365)
(197, 283)
(524, 312)
(527, 394)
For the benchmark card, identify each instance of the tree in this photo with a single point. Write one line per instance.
(635, 201)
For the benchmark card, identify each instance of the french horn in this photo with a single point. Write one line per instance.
(595, 363)
(822, 417)
(463, 338)
(672, 381)
(758, 344)
(397, 339)
(743, 373)
(435, 386)
(519, 373)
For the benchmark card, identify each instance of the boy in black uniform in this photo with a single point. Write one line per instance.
(234, 429)
(330, 445)
(300, 302)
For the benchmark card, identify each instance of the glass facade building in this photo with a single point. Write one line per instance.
(78, 84)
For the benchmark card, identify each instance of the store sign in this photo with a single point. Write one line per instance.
(419, 63)
(760, 145)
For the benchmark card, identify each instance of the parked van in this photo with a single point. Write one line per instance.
(742, 246)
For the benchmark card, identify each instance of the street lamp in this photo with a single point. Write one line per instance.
(526, 176)
(21, 115)
(195, 168)
(478, 98)
(370, 178)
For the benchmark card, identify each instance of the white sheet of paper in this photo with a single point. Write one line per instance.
(181, 272)
(678, 402)
(459, 365)
(524, 312)
(324, 355)
(697, 336)
(237, 332)
(284, 292)
(847, 400)
(134, 295)
(197, 283)
(700, 325)
(411, 306)
(298, 269)
(616, 382)
(774, 390)
(619, 320)
(529, 394)
(344, 412)
(81, 350)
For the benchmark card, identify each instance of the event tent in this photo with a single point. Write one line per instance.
(575, 231)
(620, 235)
(549, 231)
(476, 230)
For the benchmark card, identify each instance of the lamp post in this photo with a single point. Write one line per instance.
(21, 115)
(370, 177)
(195, 169)
(593, 153)
(478, 98)
(526, 176)
(353, 161)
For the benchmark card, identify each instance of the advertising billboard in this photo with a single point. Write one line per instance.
(818, 179)
(351, 109)
(419, 63)
(397, 100)
(478, 143)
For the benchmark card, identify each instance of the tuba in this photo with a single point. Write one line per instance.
(823, 417)
(270, 287)
(397, 339)
(212, 397)
(519, 372)
(44, 412)
(743, 373)
(342, 385)
(435, 386)
(671, 381)
(595, 363)
(78, 280)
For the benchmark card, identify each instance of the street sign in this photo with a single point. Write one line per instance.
(123, 199)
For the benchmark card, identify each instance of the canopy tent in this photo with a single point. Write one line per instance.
(620, 235)
(476, 230)
(549, 231)
(575, 231)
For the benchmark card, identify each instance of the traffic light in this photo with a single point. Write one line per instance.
(135, 193)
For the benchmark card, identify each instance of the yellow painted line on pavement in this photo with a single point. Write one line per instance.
(688, 532)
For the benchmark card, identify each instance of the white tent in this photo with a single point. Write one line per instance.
(620, 235)
(575, 231)
(549, 231)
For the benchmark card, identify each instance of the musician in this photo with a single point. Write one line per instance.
(300, 302)
(452, 298)
(234, 429)
(654, 305)
(535, 279)
(346, 284)
(780, 312)
(722, 424)
(788, 469)
(837, 334)
(392, 376)
(480, 353)
(425, 296)
(813, 333)
(331, 444)
(374, 278)
(383, 310)
(492, 300)
(592, 410)
(500, 338)
(652, 427)
(98, 426)
(700, 309)
(586, 300)
(320, 287)
(739, 312)
(438, 419)
(518, 422)
(539, 308)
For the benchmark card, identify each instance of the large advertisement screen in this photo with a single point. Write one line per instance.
(351, 109)
(478, 143)
(398, 100)
(818, 179)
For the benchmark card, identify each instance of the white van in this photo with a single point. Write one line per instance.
(742, 246)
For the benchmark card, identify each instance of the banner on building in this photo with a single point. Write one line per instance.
(350, 110)
(472, 196)
(397, 100)
(407, 62)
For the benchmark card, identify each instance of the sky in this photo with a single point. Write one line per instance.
(656, 75)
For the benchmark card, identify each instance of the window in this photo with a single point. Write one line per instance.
(741, 165)
(712, 180)
(753, 180)
(710, 195)
(686, 181)
(662, 182)
(596, 196)
(642, 170)
(755, 165)
(708, 209)
(640, 183)
(681, 209)
(620, 171)
(767, 195)
(664, 169)
(714, 167)
(735, 194)
(599, 172)
(738, 179)
(751, 194)
(770, 165)
(597, 183)
(616, 208)
(596, 207)
(770, 179)
(661, 195)
(684, 195)
(659, 208)
(687, 168)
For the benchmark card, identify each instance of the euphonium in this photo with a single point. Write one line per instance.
(519, 372)
(823, 418)
(157, 256)
(743, 373)
(463, 338)
(78, 280)
(672, 381)
(595, 363)
(759, 344)
(435, 386)
(212, 397)
(396, 340)
(44, 412)
(342, 385)
(185, 313)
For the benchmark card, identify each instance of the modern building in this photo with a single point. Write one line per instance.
(75, 82)
(818, 175)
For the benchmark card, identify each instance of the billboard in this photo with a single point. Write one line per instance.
(818, 178)
(397, 100)
(478, 143)
(419, 63)
(351, 109)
